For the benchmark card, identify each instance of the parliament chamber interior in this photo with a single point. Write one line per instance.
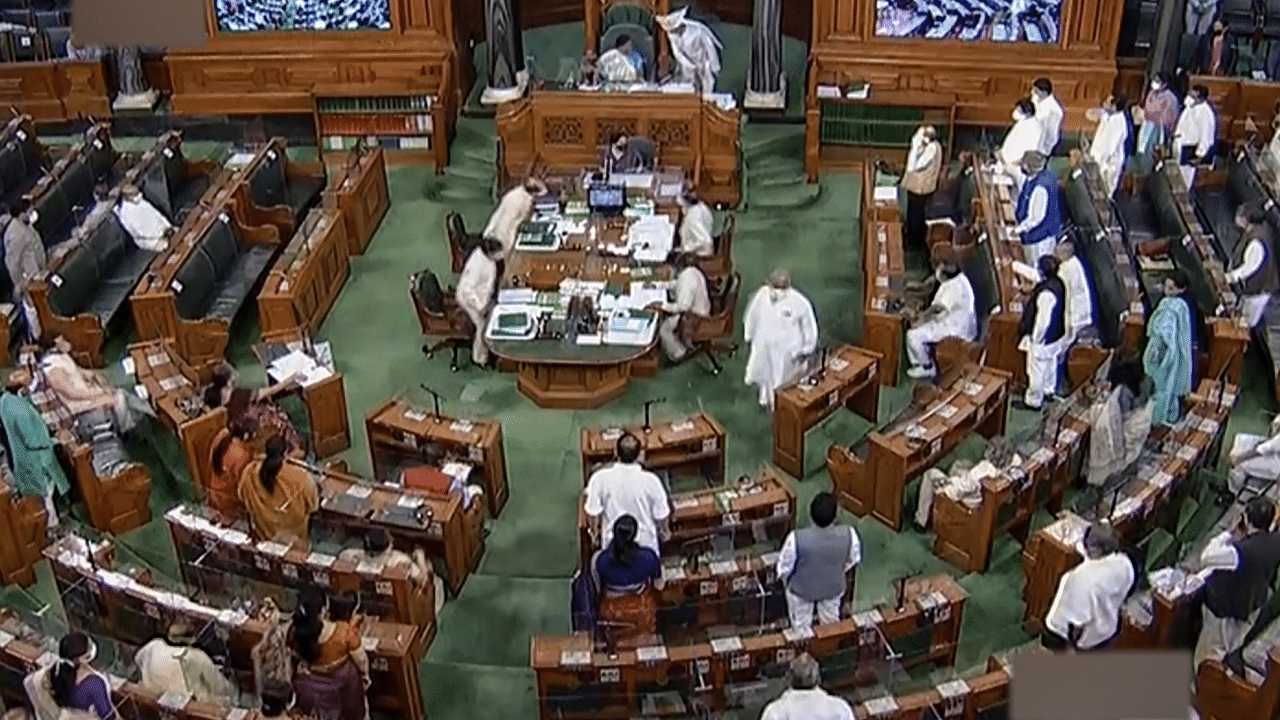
(592, 359)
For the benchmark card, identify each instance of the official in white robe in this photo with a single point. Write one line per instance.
(1048, 114)
(1023, 137)
(1195, 134)
(695, 226)
(782, 330)
(513, 209)
(1109, 142)
(1045, 337)
(695, 47)
(475, 294)
(804, 700)
(1255, 456)
(951, 314)
(148, 227)
(1255, 268)
(964, 484)
(1079, 293)
(690, 297)
(1085, 613)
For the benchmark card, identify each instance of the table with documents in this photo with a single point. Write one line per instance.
(293, 354)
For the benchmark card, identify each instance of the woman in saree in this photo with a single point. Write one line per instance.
(628, 574)
(229, 455)
(36, 471)
(333, 670)
(279, 498)
(1167, 360)
(70, 689)
(256, 409)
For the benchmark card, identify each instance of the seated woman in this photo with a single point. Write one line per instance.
(229, 455)
(255, 408)
(70, 689)
(86, 394)
(965, 482)
(627, 576)
(333, 670)
(377, 549)
(279, 497)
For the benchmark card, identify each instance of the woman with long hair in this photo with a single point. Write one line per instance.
(627, 575)
(279, 497)
(333, 669)
(229, 454)
(1169, 357)
(257, 409)
(71, 689)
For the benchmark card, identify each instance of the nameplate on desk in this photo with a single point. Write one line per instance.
(953, 689)
(685, 426)
(879, 304)
(475, 453)
(1208, 426)
(882, 282)
(797, 634)
(1068, 436)
(410, 501)
(369, 644)
(575, 658)
(947, 411)
(273, 548)
(725, 645)
(1186, 452)
(673, 572)
(461, 426)
(708, 587)
(359, 492)
(881, 706)
(972, 388)
(365, 567)
(838, 364)
(321, 559)
(684, 503)
(1161, 480)
(1042, 456)
(128, 366)
(867, 618)
(173, 700)
(652, 654)
(709, 445)
(1015, 307)
(415, 415)
(726, 567)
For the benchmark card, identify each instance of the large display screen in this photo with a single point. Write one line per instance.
(1032, 21)
(259, 15)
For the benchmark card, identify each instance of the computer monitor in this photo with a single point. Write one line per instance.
(606, 198)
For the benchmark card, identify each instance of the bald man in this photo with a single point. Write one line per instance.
(804, 700)
(782, 330)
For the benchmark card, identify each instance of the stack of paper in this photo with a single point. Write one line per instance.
(630, 327)
(300, 366)
(650, 238)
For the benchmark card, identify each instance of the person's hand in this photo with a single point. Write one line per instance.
(654, 306)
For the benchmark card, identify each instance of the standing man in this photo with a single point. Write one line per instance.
(1239, 567)
(1255, 456)
(804, 700)
(814, 563)
(625, 488)
(1255, 265)
(1023, 138)
(1195, 135)
(951, 314)
(920, 180)
(476, 287)
(1048, 114)
(695, 226)
(1085, 613)
(782, 330)
(1110, 141)
(24, 258)
(36, 472)
(513, 209)
(1044, 332)
(690, 297)
(696, 49)
(1075, 281)
(1038, 211)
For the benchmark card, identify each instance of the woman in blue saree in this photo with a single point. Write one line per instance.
(1167, 359)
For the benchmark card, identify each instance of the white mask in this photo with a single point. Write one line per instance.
(1017, 116)
(776, 294)
(1155, 85)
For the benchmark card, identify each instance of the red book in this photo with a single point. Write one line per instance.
(427, 479)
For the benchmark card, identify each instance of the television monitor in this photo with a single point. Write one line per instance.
(277, 15)
(1029, 21)
(607, 198)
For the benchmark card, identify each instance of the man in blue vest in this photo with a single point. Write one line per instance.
(1238, 567)
(814, 563)
(1038, 211)
(1044, 333)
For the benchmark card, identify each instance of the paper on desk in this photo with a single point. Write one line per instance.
(886, 193)
(300, 365)
(650, 238)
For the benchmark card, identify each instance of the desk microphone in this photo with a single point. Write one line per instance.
(435, 398)
(648, 404)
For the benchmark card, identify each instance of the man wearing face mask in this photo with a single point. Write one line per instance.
(1048, 114)
(1109, 142)
(1195, 135)
(1023, 138)
(951, 314)
(1044, 333)
(782, 330)
(1038, 210)
(1159, 114)
(1085, 613)
(920, 180)
(1255, 266)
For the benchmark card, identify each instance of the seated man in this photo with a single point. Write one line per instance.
(965, 482)
(1085, 613)
(621, 64)
(149, 228)
(951, 314)
(1255, 456)
(690, 297)
(621, 156)
(86, 393)
(176, 664)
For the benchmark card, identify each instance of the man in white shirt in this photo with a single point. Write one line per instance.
(1255, 266)
(814, 564)
(804, 700)
(1085, 613)
(1195, 135)
(1238, 568)
(690, 297)
(476, 287)
(1048, 114)
(695, 226)
(951, 314)
(175, 665)
(920, 180)
(1255, 456)
(782, 330)
(625, 488)
(1109, 143)
(1076, 283)
(24, 258)
(149, 228)
(1024, 137)
(513, 209)
(965, 482)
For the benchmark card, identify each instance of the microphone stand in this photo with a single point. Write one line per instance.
(648, 404)
(435, 397)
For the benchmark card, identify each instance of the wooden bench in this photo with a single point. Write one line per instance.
(169, 181)
(359, 192)
(306, 279)
(272, 189)
(23, 160)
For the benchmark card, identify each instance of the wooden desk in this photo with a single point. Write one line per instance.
(1223, 695)
(694, 445)
(883, 265)
(359, 194)
(23, 535)
(447, 529)
(762, 509)
(398, 431)
(569, 668)
(122, 603)
(307, 277)
(870, 478)
(851, 379)
(562, 130)
(210, 553)
(325, 400)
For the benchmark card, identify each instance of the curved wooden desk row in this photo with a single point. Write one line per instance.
(305, 280)
(693, 445)
(211, 554)
(399, 431)
(23, 534)
(569, 667)
(128, 607)
(869, 479)
(850, 378)
(62, 89)
(760, 510)
(1151, 498)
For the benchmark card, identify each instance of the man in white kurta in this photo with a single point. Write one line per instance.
(804, 700)
(513, 209)
(1255, 456)
(1109, 142)
(176, 665)
(690, 297)
(1086, 608)
(476, 286)
(1046, 340)
(1079, 293)
(964, 484)
(148, 227)
(695, 47)
(1195, 134)
(1023, 137)
(782, 330)
(24, 258)
(695, 226)
(951, 314)
(1048, 114)
(618, 65)
(626, 488)
(1255, 268)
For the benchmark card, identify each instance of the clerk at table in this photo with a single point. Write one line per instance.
(513, 209)
(695, 226)
(690, 297)
(622, 156)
